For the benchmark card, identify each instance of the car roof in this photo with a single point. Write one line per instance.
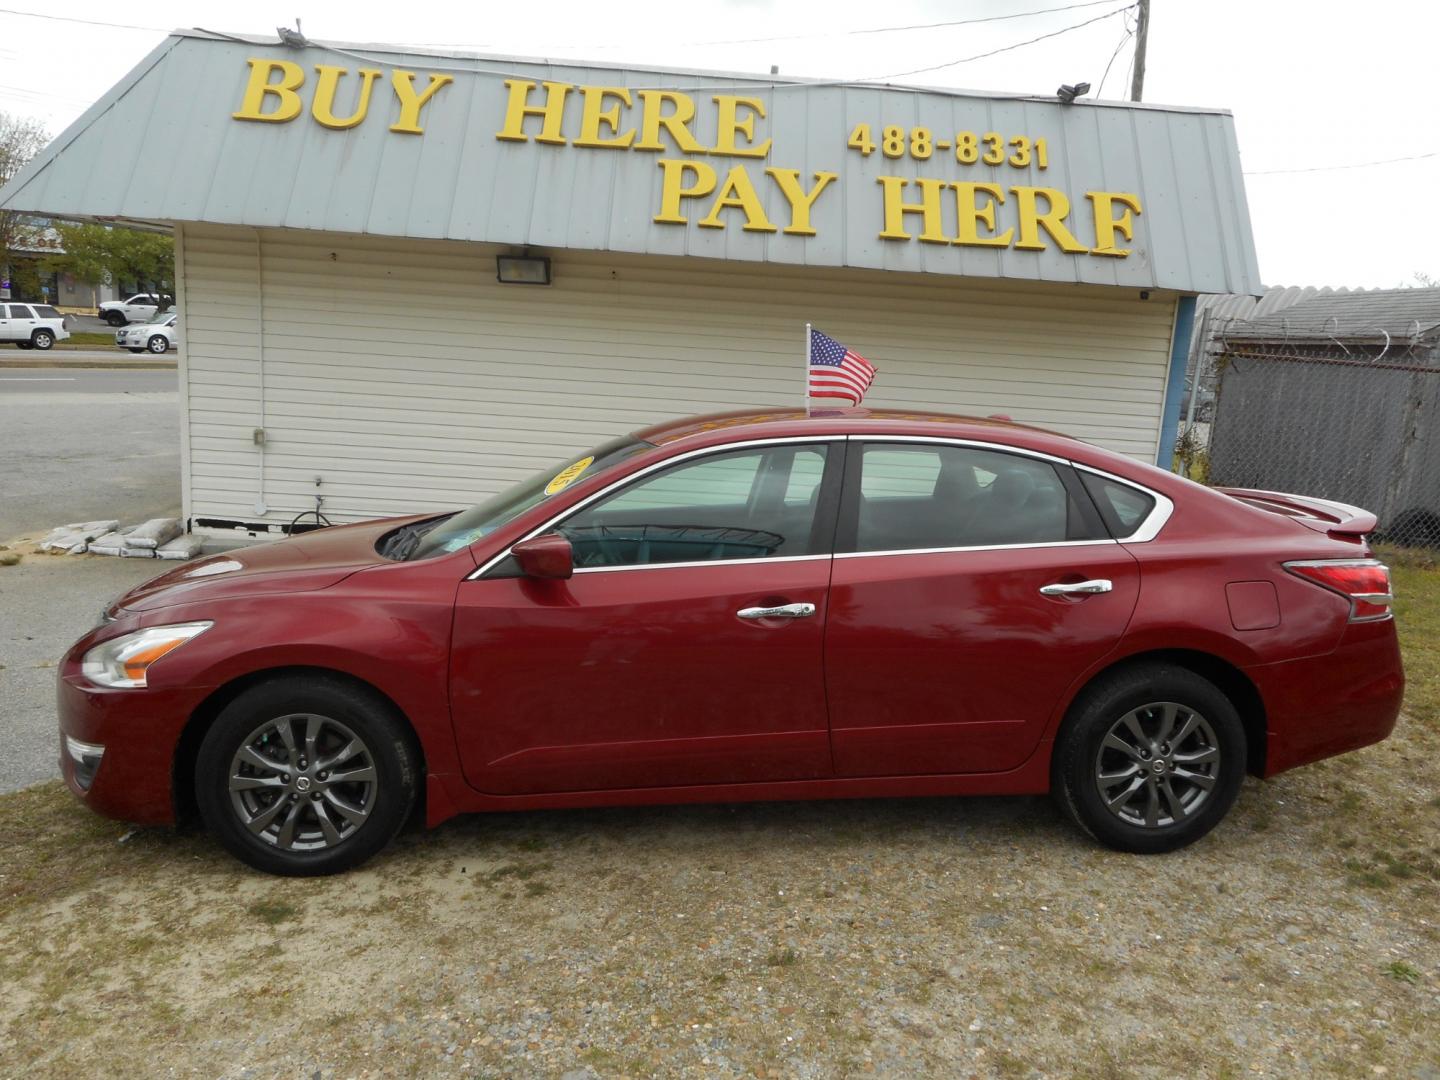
(757, 424)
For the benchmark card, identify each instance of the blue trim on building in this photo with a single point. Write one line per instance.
(1175, 385)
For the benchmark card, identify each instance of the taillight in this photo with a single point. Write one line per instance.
(1364, 582)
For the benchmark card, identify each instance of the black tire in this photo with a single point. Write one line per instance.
(115, 318)
(157, 344)
(134, 350)
(347, 712)
(1083, 756)
(24, 345)
(43, 340)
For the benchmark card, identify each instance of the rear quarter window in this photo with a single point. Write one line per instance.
(1123, 507)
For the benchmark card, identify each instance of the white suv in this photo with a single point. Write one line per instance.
(31, 326)
(139, 308)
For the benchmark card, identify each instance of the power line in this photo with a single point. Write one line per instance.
(1129, 33)
(871, 29)
(997, 52)
(87, 22)
(1356, 165)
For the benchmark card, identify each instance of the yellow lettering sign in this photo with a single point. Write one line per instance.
(731, 124)
(738, 193)
(594, 116)
(932, 230)
(1107, 224)
(1032, 220)
(323, 107)
(672, 188)
(519, 107)
(799, 199)
(676, 123)
(410, 102)
(973, 214)
(287, 101)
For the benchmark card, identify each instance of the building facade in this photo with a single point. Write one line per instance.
(339, 212)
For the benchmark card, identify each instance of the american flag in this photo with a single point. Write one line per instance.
(838, 372)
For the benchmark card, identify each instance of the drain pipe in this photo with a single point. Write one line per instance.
(260, 508)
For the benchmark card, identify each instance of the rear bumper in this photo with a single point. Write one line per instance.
(1327, 705)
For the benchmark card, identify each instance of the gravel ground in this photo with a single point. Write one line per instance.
(930, 937)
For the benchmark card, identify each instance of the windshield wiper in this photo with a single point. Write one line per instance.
(401, 544)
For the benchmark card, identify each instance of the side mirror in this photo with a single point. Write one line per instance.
(548, 556)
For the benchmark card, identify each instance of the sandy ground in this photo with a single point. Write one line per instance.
(929, 937)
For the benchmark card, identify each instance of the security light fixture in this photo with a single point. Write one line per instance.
(523, 269)
(1067, 93)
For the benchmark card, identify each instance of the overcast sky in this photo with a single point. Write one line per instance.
(1315, 85)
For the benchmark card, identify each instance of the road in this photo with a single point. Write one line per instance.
(79, 445)
(74, 445)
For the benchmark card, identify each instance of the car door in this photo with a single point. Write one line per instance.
(687, 647)
(17, 324)
(972, 585)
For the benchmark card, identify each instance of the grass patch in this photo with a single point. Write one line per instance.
(273, 912)
(87, 340)
(1403, 972)
(786, 957)
(1416, 578)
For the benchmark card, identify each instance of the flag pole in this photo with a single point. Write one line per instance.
(807, 369)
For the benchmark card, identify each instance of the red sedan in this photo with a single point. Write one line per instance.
(748, 606)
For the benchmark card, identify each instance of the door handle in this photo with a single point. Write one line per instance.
(1079, 588)
(784, 611)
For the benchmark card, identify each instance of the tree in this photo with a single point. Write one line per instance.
(103, 253)
(20, 140)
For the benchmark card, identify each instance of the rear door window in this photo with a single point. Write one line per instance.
(919, 496)
(20, 311)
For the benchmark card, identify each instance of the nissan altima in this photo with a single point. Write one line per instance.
(744, 607)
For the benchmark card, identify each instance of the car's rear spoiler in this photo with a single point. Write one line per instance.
(1322, 515)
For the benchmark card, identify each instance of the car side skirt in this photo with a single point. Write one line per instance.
(447, 796)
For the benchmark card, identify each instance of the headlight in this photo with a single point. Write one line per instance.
(124, 661)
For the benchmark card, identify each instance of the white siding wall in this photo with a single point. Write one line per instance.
(407, 378)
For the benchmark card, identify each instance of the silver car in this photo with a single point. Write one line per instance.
(157, 336)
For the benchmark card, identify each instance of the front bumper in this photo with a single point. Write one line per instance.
(139, 731)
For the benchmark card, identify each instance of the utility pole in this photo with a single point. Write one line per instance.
(1142, 31)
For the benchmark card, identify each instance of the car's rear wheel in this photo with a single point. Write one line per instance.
(1150, 759)
(23, 345)
(305, 776)
(158, 343)
(42, 339)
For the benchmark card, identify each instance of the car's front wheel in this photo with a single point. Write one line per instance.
(1150, 759)
(306, 775)
(158, 343)
(42, 339)
(115, 318)
(135, 348)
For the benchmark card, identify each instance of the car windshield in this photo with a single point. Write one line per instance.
(463, 529)
(162, 317)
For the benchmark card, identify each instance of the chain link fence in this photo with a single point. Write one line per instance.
(1351, 420)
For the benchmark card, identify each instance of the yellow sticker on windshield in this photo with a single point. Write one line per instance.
(567, 475)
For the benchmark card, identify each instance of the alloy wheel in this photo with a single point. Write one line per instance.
(1157, 765)
(303, 782)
